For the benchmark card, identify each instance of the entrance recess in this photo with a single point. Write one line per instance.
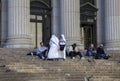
(88, 22)
(40, 22)
(36, 31)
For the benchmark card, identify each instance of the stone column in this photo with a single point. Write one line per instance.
(18, 24)
(70, 21)
(112, 24)
(100, 21)
(4, 22)
(55, 17)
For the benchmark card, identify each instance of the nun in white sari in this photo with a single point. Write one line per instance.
(54, 48)
(62, 51)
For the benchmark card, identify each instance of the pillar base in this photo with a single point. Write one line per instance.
(112, 45)
(18, 43)
(77, 41)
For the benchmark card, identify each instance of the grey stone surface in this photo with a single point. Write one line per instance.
(20, 67)
(18, 24)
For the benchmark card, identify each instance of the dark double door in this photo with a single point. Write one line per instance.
(40, 19)
(90, 35)
(40, 29)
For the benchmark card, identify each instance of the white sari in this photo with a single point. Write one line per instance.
(54, 48)
(62, 54)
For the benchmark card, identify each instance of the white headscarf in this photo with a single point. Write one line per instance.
(54, 40)
(63, 37)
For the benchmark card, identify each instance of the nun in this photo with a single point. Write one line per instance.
(62, 47)
(54, 48)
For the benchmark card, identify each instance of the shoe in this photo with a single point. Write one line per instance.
(43, 57)
(89, 60)
(73, 58)
(109, 56)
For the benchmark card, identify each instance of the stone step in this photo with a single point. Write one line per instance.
(15, 65)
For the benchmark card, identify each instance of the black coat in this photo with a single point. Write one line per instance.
(100, 50)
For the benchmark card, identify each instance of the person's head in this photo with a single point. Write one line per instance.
(41, 43)
(101, 45)
(74, 44)
(91, 45)
(53, 36)
(62, 37)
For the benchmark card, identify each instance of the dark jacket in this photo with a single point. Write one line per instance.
(100, 50)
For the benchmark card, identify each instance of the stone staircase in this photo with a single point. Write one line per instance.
(15, 65)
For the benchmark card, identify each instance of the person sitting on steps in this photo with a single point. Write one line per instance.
(91, 52)
(74, 51)
(101, 53)
(42, 51)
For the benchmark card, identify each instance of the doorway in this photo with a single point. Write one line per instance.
(36, 30)
(89, 32)
(88, 13)
(40, 24)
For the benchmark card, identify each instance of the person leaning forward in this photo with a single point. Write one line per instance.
(74, 51)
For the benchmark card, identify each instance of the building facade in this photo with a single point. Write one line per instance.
(24, 23)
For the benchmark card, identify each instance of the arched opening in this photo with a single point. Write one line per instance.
(88, 22)
(40, 25)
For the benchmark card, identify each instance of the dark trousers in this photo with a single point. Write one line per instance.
(74, 54)
(99, 56)
(104, 56)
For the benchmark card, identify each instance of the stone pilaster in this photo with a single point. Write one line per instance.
(18, 24)
(70, 21)
(112, 24)
(4, 22)
(55, 17)
(100, 21)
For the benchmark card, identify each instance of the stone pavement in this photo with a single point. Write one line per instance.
(15, 65)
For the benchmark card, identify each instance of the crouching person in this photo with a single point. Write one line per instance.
(74, 51)
(42, 51)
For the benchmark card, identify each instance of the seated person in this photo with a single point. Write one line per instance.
(101, 52)
(42, 51)
(91, 51)
(73, 51)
